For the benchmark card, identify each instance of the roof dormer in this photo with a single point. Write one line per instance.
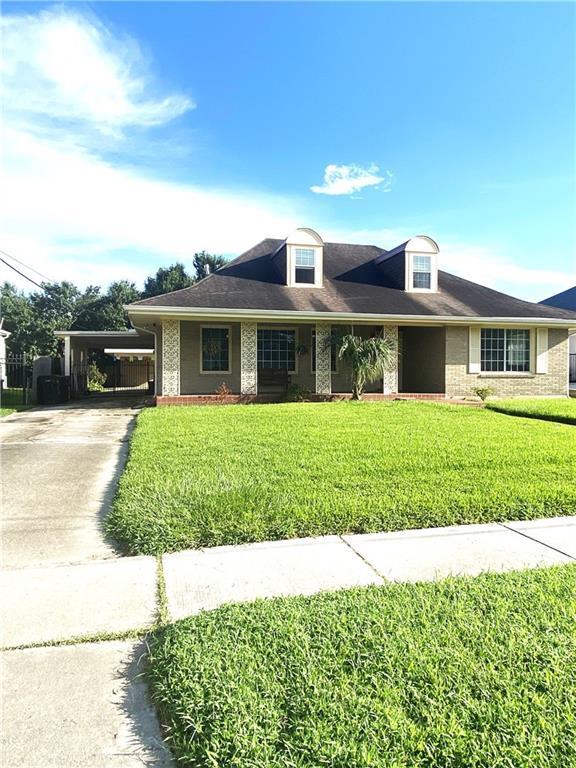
(303, 252)
(412, 266)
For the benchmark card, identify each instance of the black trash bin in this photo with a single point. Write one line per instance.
(53, 389)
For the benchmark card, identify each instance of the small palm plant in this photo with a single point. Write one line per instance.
(368, 359)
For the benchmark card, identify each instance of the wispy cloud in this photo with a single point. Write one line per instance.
(349, 179)
(66, 66)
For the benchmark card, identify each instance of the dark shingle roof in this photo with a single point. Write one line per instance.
(352, 283)
(564, 300)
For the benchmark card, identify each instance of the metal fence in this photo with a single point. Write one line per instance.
(120, 376)
(15, 380)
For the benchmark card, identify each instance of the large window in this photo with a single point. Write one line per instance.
(333, 355)
(503, 349)
(215, 350)
(277, 349)
(421, 272)
(305, 265)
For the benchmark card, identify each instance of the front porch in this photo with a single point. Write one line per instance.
(203, 362)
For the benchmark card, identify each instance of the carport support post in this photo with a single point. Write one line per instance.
(171, 358)
(249, 358)
(67, 354)
(390, 378)
(323, 359)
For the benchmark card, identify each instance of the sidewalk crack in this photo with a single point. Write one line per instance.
(542, 543)
(368, 563)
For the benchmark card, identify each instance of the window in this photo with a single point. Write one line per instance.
(504, 349)
(421, 272)
(333, 355)
(305, 265)
(277, 349)
(215, 350)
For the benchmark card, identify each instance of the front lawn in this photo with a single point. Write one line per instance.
(465, 673)
(551, 409)
(203, 476)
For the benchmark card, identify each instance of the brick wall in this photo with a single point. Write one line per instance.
(459, 382)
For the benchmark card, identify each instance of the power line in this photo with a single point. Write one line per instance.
(9, 255)
(21, 273)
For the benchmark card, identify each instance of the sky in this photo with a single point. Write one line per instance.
(135, 134)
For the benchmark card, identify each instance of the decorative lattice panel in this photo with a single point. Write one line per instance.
(171, 357)
(391, 375)
(248, 364)
(323, 359)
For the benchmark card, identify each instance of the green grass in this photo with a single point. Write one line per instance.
(562, 410)
(465, 673)
(6, 411)
(202, 476)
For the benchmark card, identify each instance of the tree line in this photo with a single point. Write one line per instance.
(32, 318)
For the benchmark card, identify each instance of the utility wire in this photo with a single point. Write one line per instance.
(21, 273)
(9, 255)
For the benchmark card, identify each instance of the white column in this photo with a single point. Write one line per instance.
(323, 359)
(248, 358)
(67, 354)
(390, 379)
(171, 357)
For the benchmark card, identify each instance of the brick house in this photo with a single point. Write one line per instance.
(264, 319)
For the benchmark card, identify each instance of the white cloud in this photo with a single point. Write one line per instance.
(74, 215)
(64, 65)
(348, 179)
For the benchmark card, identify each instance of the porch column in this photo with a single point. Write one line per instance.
(391, 375)
(67, 353)
(323, 359)
(171, 357)
(248, 358)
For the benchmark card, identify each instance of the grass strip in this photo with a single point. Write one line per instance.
(464, 673)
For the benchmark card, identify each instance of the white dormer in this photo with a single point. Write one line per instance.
(304, 259)
(421, 267)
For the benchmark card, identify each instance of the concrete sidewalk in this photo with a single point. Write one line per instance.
(58, 602)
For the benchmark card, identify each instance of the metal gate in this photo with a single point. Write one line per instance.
(119, 376)
(15, 381)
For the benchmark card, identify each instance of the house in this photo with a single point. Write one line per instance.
(269, 313)
(566, 300)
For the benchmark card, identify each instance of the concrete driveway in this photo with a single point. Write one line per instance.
(60, 466)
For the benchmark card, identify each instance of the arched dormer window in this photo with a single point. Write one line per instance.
(305, 258)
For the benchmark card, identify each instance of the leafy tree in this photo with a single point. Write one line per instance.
(206, 263)
(167, 279)
(105, 312)
(368, 359)
(18, 317)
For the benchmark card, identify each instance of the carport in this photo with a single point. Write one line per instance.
(125, 361)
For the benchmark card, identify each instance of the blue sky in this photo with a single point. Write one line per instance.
(141, 132)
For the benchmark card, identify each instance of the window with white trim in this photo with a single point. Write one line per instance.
(276, 349)
(305, 265)
(333, 355)
(505, 350)
(421, 271)
(215, 350)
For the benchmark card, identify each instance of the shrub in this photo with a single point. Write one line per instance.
(483, 392)
(223, 392)
(96, 378)
(296, 393)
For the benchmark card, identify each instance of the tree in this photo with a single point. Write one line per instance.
(167, 279)
(106, 312)
(18, 316)
(206, 263)
(368, 359)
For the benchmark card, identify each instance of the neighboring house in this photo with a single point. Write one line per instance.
(271, 311)
(4, 334)
(566, 300)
